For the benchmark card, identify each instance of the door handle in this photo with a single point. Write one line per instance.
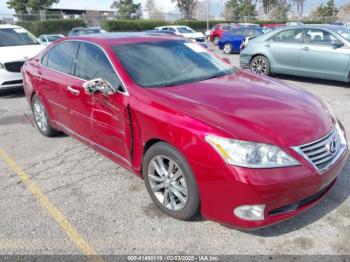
(73, 91)
(267, 45)
(306, 48)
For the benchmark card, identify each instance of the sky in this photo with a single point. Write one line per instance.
(164, 5)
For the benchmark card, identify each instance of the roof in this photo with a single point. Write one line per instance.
(114, 38)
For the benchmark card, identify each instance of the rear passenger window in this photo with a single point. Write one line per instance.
(61, 57)
(288, 36)
(93, 63)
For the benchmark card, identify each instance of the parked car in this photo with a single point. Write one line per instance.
(273, 26)
(184, 31)
(319, 51)
(233, 40)
(217, 32)
(16, 46)
(167, 32)
(204, 136)
(77, 31)
(48, 39)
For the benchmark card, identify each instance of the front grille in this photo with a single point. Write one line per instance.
(14, 67)
(323, 152)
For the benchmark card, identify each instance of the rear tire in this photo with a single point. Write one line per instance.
(170, 182)
(41, 118)
(260, 65)
(228, 48)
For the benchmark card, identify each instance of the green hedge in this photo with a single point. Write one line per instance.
(140, 25)
(132, 25)
(55, 26)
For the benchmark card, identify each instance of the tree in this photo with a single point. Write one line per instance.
(268, 5)
(235, 9)
(153, 11)
(29, 6)
(325, 11)
(344, 13)
(186, 7)
(127, 9)
(299, 6)
(280, 10)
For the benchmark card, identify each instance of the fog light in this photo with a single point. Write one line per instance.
(253, 212)
(2, 66)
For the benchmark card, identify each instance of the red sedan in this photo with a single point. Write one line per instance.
(241, 149)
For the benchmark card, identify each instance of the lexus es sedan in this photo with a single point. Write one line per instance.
(203, 136)
(318, 51)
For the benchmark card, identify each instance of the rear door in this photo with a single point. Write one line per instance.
(321, 57)
(55, 76)
(284, 48)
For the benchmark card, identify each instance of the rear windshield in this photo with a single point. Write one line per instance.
(185, 30)
(16, 37)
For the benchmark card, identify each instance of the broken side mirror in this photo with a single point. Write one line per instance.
(99, 85)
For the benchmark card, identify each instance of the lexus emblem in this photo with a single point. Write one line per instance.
(332, 147)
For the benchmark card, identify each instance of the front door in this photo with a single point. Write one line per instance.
(321, 57)
(107, 115)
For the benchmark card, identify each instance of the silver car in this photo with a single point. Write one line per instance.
(319, 51)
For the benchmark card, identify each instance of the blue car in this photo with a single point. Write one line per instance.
(231, 41)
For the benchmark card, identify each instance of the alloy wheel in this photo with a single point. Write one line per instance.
(259, 66)
(40, 115)
(227, 49)
(168, 183)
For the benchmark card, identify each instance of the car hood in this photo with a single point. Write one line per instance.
(192, 35)
(19, 53)
(249, 107)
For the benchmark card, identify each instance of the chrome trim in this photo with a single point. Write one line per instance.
(126, 93)
(315, 160)
(70, 131)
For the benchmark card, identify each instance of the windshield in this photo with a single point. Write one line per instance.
(53, 38)
(16, 37)
(185, 30)
(169, 63)
(344, 32)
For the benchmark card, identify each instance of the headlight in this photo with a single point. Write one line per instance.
(2, 66)
(249, 154)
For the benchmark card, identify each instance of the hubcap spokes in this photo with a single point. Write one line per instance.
(168, 183)
(40, 116)
(259, 66)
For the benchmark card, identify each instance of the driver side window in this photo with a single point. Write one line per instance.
(93, 63)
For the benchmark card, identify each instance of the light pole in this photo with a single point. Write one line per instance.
(207, 14)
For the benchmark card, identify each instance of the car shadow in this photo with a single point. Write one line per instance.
(309, 80)
(339, 194)
(13, 93)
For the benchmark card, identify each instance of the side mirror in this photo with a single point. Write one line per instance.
(99, 85)
(226, 60)
(337, 44)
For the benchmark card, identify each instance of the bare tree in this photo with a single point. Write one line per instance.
(299, 6)
(153, 11)
(186, 7)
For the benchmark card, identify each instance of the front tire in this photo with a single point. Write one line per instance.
(260, 65)
(228, 48)
(170, 182)
(41, 118)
